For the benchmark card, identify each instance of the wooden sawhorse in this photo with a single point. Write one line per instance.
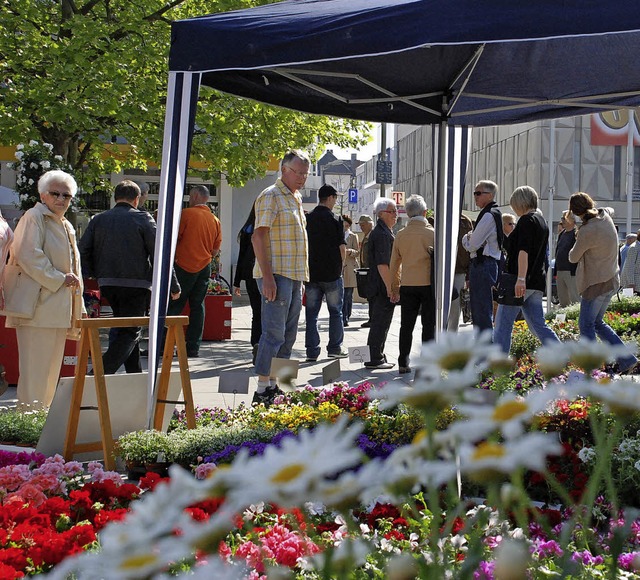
(90, 344)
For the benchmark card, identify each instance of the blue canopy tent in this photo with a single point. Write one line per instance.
(451, 63)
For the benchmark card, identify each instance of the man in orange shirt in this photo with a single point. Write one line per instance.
(199, 239)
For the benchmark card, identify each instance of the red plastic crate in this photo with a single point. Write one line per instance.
(217, 317)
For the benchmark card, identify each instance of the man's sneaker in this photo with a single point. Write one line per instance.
(311, 359)
(267, 397)
(340, 354)
(378, 365)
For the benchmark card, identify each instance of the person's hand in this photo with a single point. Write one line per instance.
(269, 288)
(71, 280)
(520, 288)
(237, 291)
(395, 297)
(175, 295)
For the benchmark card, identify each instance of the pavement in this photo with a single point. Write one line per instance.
(233, 358)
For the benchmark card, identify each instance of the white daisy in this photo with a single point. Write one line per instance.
(489, 461)
(620, 397)
(553, 359)
(590, 355)
(456, 351)
(291, 474)
(509, 415)
(428, 395)
(213, 567)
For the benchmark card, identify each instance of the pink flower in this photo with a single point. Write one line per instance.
(204, 470)
(29, 494)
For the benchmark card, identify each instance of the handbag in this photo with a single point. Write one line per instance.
(505, 291)
(21, 292)
(362, 281)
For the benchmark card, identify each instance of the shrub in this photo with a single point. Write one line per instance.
(145, 447)
(22, 426)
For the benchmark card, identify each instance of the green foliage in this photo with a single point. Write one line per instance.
(397, 428)
(145, 447)
(191, 445)
(80, 75)
(22, 426)
(32, 161)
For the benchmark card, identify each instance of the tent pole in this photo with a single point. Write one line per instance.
(550, 192)
(182, 96)
(440, 196)
(383, 152)
(630, 169)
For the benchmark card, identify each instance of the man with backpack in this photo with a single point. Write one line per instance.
(484, 243)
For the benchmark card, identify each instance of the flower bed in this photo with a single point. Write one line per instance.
(363, 482)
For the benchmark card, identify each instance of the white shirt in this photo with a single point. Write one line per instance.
(483, 235)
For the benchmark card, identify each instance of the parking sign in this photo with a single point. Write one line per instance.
(353, 195)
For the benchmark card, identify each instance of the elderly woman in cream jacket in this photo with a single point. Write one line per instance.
(45, 247)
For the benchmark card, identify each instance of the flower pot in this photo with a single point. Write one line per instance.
(135, 469)
(161, 468)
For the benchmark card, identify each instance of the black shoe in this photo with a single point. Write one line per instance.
(404, 370)
(366, 324)
(345, 323)
(193, 354)
(380, 364)
(144, 353)
(311, 359)
(267, 397)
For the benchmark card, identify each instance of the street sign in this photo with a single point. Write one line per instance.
(353, 195)
(383, 172)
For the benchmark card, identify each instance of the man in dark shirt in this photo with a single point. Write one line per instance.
(327, 250)
(380, 305)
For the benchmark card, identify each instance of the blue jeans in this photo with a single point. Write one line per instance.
(591, 323)
(314, 292)
(533, 314)
(347, 304)
(483, 275)
(279, 323)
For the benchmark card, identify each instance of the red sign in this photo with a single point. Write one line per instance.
(612, 128)
(398, 197)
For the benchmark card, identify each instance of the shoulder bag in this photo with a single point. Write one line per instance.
(505, 291)
(21, 292)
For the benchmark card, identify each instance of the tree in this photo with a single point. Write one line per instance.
(84, 74)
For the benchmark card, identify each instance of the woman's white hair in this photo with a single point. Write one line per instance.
(415, 206)
(57, 176)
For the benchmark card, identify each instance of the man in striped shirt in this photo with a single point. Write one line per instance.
(282, 265)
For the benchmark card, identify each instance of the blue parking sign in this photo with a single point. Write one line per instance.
(353, 196)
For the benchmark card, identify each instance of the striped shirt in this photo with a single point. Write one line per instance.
(280, 210)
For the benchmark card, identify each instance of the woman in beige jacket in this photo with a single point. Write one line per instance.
(348, 268)
(597, 276)
(45, 247)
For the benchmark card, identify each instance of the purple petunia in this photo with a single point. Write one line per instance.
(630, 561)
(484, 571)
(587, 558)
(21, 458)
(546, 549)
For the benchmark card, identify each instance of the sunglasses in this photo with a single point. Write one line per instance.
(58, 195)
(477, 193)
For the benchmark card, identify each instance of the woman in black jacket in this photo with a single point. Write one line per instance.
(244, 271)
